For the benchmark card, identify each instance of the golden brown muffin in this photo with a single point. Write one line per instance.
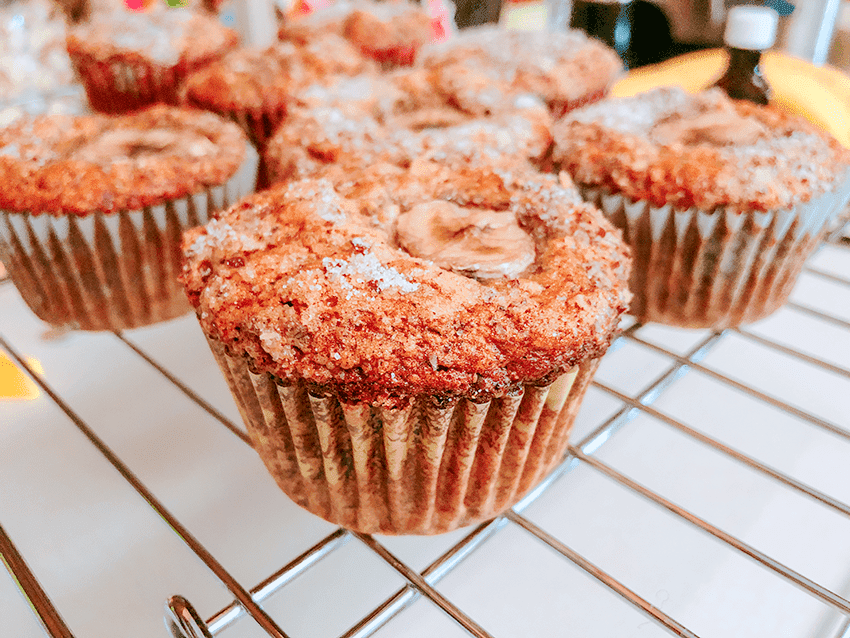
(94, 206)
(341, 136)
(254, 87)
(483, 67)
(409, 351)
(128, 60)
(721, 200)
(390, 33)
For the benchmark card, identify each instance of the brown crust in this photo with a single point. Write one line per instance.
(482, 68)
(40, 176)
(338, 305)
(610, 145)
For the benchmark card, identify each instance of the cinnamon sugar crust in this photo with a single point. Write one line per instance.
(252, 79)
(310, 284)
(388, 32)
(704, 151)
(161, 36)
(77, 165)
(482, 68)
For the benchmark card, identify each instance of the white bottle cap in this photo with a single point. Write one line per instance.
(751, 28)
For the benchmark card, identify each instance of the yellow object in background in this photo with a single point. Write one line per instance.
(15, 383)
(820, 94)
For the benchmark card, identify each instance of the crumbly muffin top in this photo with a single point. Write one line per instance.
(484, 66)
(346, 137)
(436, 279)
(77, 165)
(704, 151)
(163, 36)
(252, 79)
(389, 32)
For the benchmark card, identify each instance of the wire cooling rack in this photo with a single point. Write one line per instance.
(700, 496)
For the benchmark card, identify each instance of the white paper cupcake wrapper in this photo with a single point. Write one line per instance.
(712, 270)
(426, 469)
(111, 271)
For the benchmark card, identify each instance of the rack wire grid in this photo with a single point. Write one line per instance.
(705, 493)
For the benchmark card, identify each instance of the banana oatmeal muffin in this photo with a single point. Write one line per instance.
(254, 87)
(479, 67)
(720, 200)
(93, 208)
(128, 60)
(330, 134)
(391, 33)
(409, 350)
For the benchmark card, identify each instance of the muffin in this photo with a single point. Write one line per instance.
(129, 60)
(93, 208)
(409, 351)
(481, 65)
(391, 33)
(341, 136)
(721, 201)
(253, 87)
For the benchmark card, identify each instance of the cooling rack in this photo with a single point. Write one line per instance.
(706, 492)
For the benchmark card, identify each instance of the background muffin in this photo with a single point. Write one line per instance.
(481, 66)
(93, 208)
(394, 120)
(128, 60)
(721, 200)
(391, 33)
(409, 352)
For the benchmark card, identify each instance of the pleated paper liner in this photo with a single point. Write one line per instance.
(111, 271)
(714, 270)
(430, 468)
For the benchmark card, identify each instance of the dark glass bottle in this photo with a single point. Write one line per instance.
(610, 22)
(743, 79)
(750, 30)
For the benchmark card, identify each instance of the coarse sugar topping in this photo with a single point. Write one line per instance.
(705, 151)
(77, 165)
(314, 283)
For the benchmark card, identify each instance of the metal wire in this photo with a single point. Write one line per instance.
(185, 622)
(263, 619)
(31, 588)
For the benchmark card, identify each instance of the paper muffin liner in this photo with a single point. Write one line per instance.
(110, 271)
(429, 468)
(717, 269)
(124, 84)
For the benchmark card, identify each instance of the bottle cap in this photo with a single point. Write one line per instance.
(751, 28)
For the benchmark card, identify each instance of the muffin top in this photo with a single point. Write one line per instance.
(389, 32)
(345, 136)
(483, 67)
(77, 165)
(256, 79)
(161, 35)
(705, 151)
(438, 279)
